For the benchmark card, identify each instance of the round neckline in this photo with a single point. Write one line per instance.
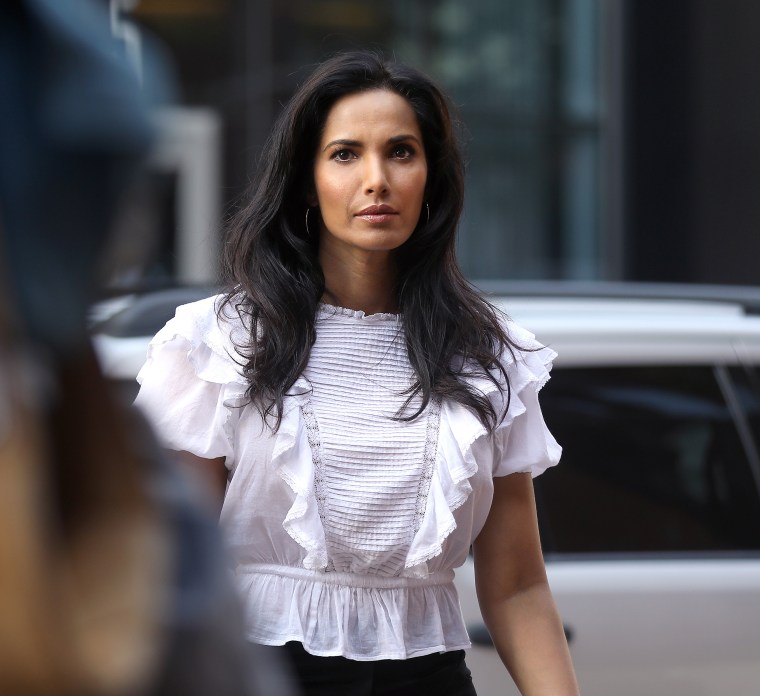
(335, 310)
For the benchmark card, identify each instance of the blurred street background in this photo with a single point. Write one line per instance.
(606, 139)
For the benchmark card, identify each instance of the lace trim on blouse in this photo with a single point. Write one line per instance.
(428, 459)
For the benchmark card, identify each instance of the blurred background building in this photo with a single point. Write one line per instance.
(605, 139)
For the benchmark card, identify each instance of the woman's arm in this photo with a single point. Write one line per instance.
(514, 595)
(209, 474)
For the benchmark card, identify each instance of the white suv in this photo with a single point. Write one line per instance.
(651, 522)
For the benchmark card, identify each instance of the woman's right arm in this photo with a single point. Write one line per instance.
(209, 474)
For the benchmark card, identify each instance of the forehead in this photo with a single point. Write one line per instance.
(376, 112)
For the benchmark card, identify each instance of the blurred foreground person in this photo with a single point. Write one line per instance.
(360, 412)
(111, 580)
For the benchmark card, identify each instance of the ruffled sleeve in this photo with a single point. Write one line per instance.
(522, 442)
(191, 384)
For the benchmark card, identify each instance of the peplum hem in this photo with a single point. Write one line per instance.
(359, 617)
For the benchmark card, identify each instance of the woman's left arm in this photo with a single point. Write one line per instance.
(514, 595)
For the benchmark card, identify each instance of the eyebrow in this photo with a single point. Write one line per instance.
(356, 143)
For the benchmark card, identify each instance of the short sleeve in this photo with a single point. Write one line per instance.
(526, 445)
(523, 442)
(190, 385)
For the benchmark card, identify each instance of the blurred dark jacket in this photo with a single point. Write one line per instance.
(74, 128)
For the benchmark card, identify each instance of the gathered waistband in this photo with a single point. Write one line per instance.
(441, 577)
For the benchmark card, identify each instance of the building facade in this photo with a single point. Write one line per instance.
(605, 139)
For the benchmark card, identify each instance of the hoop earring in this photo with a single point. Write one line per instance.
(427, 207)
(308, 232)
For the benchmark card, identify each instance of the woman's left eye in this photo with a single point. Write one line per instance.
(402, 152)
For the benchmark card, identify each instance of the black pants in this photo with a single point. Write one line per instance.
(439, 674)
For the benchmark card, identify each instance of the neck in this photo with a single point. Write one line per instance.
(366, 282)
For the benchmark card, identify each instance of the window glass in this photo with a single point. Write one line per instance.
(746, 382)
(525, 77)
(652, 462)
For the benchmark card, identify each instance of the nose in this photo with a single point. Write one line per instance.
(375, 175)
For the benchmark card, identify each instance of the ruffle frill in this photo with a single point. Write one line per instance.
(293, 460)
(210, 344)
(459, 430)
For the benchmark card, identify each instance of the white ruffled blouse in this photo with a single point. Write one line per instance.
(345, 525)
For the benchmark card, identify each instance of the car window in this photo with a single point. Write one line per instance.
(652, 462)
(746, 382)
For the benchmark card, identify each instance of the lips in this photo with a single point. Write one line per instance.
(377, 214)
(377, 210)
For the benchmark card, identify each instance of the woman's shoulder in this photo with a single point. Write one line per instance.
(522, 359)
(199, 311)
(214, 321)
(521, 339)
(209, 336)
(526, 358)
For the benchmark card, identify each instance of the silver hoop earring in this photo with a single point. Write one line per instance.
(427, 207)
(308, 232)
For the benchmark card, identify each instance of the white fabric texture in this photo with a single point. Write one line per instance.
(345, 525)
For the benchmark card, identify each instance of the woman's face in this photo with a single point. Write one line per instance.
(369, 174)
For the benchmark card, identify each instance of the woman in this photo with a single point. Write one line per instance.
(368, 414)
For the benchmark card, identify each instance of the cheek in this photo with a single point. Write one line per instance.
(332, 190)
(415, 184)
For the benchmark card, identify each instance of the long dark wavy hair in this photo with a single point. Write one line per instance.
(275, 281)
